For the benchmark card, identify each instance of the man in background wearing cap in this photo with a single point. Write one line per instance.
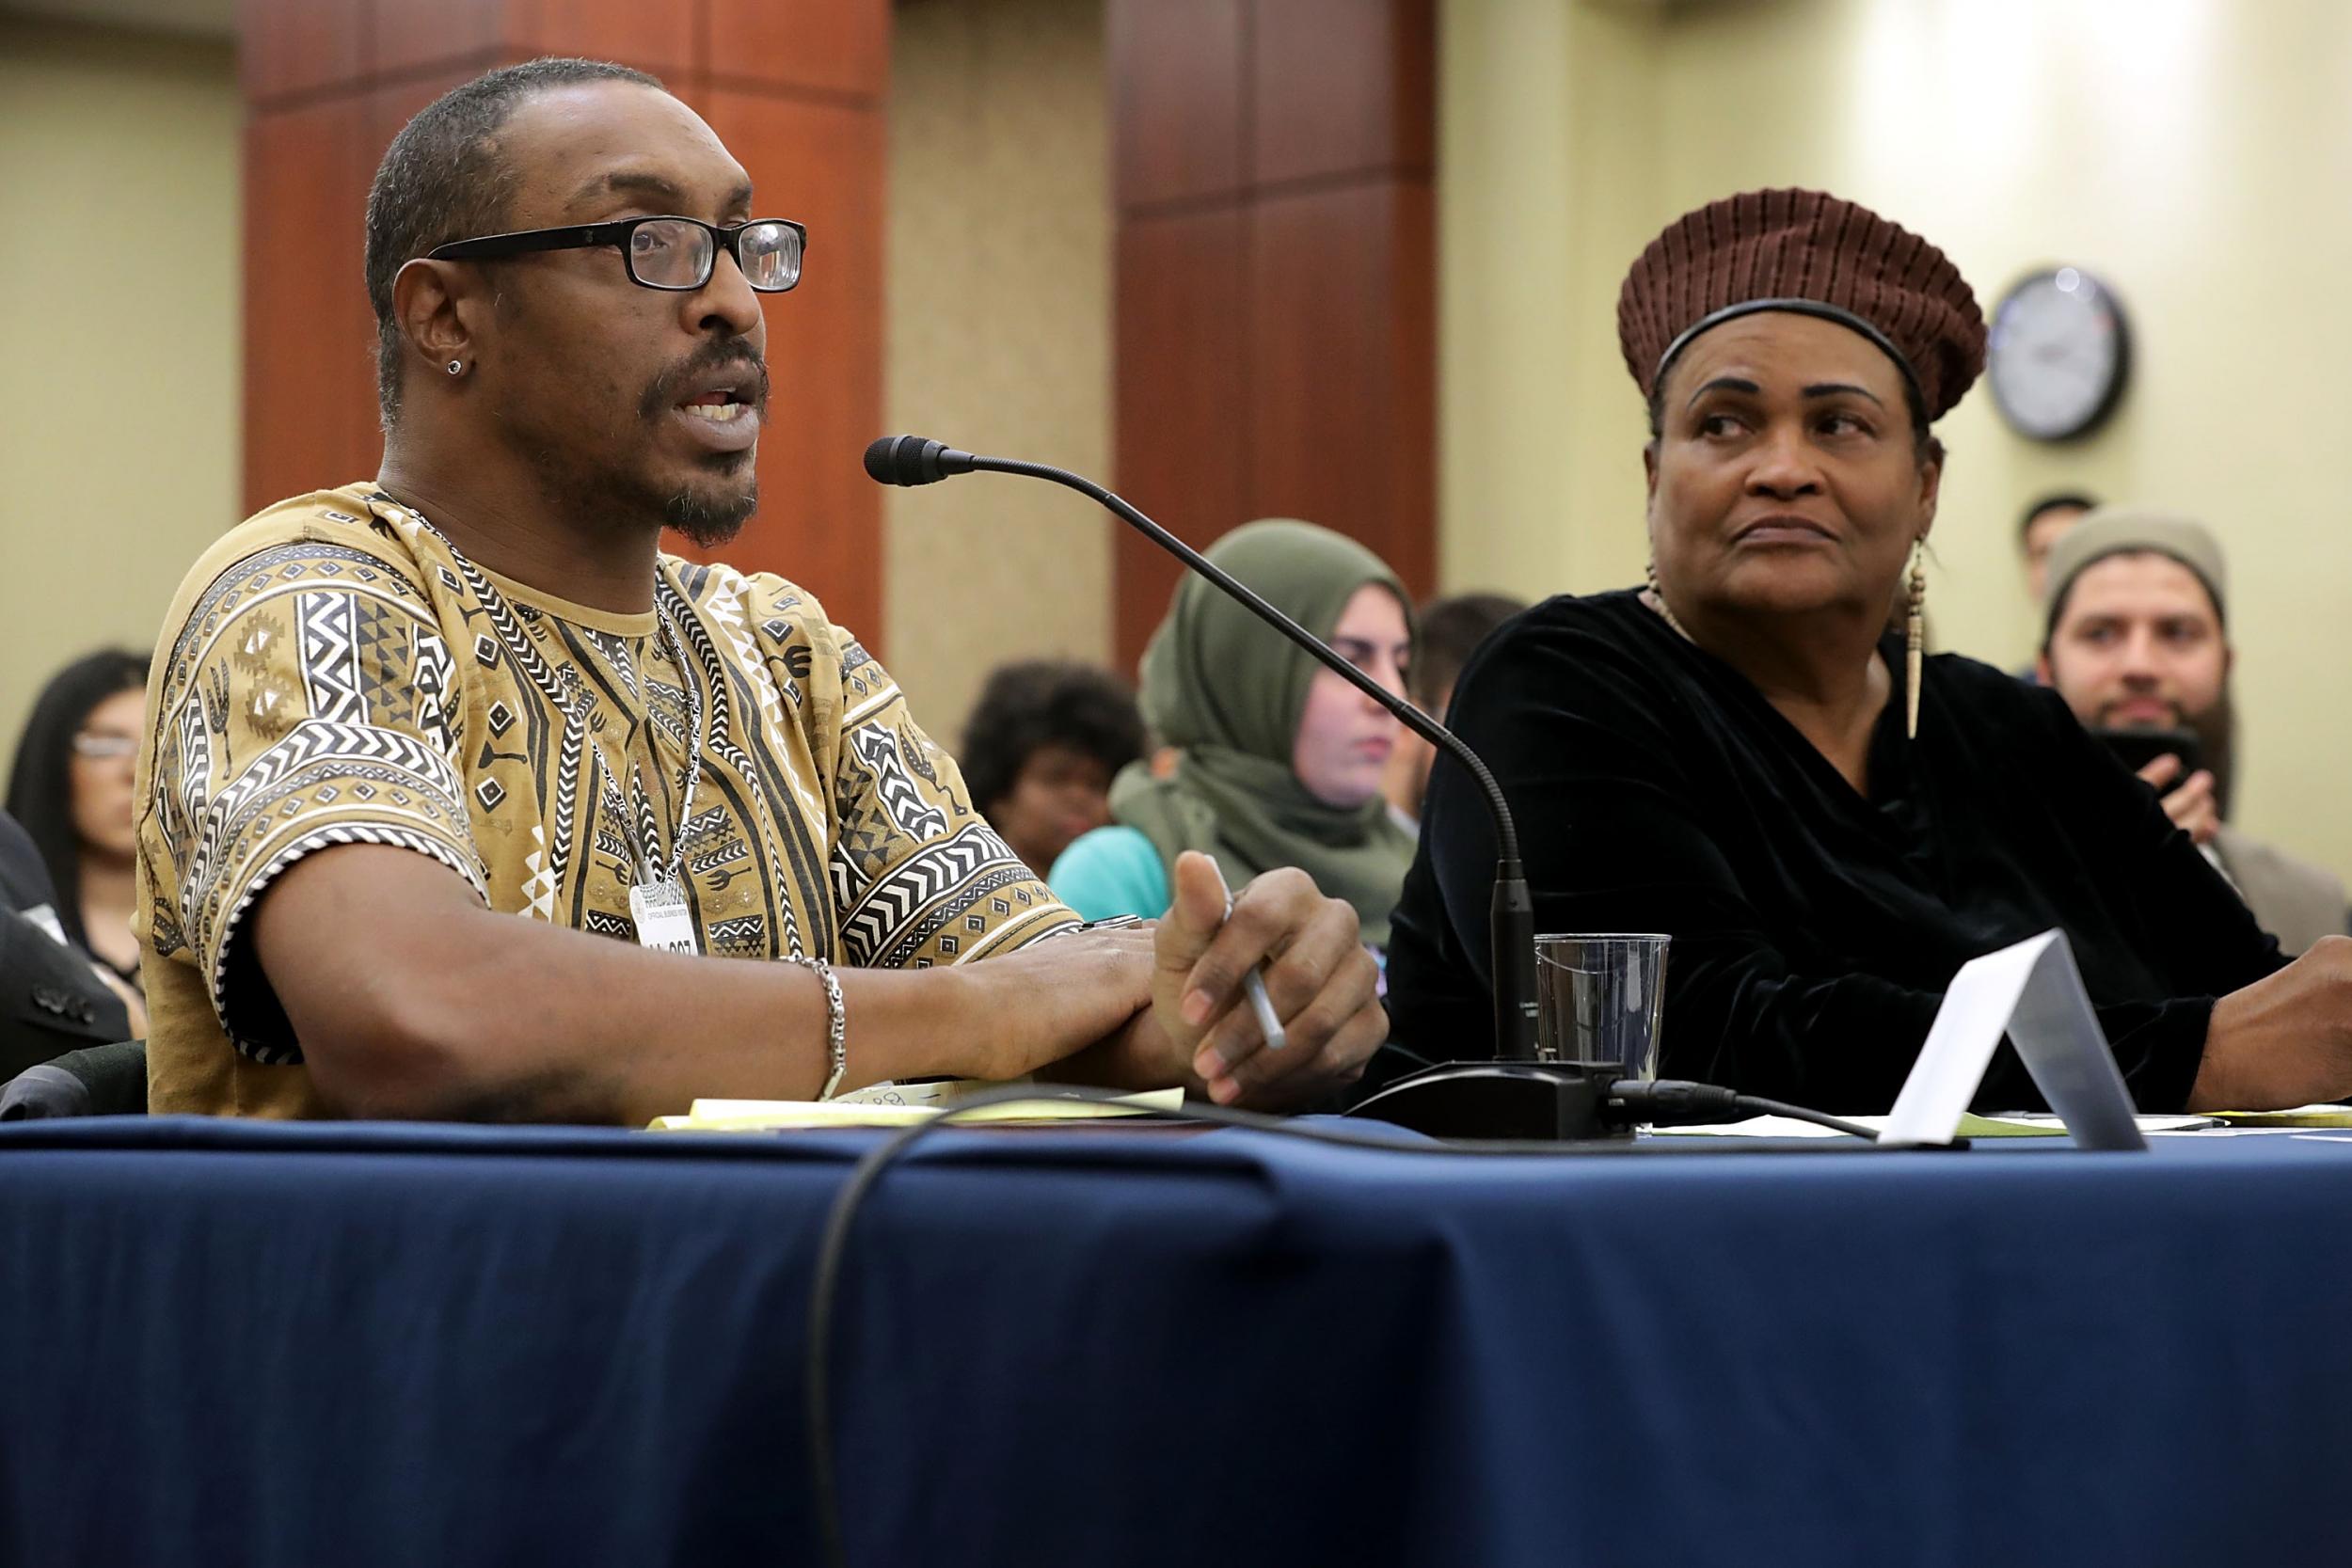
(2136, 640)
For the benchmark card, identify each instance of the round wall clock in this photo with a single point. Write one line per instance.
(2057, 355)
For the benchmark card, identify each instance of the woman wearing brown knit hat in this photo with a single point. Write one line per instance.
(1743, 756)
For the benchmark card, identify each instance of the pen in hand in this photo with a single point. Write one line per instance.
(1253, 983)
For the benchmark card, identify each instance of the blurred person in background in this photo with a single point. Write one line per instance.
(1451, 631)
(70, 788)
(2043, 524)
(1040, 751)
(1277, 760)
(2137, 639)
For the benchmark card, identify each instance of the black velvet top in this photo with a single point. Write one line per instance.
(1814, 930)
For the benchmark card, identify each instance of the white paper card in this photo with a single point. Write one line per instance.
(2032, 994)
(663, 921)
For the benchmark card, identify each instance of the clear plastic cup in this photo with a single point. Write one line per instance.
(1598, 997)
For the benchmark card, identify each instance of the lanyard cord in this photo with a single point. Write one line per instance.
(648, 839)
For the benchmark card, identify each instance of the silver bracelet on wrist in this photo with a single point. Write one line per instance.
(836, 1021)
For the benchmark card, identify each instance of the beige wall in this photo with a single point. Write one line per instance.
(2193, 159)
(119, 334)
(998, 339)
(1539, 187)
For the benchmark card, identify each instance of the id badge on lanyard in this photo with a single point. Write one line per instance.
(663, 921)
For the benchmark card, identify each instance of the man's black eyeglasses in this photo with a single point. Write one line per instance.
(661, 252)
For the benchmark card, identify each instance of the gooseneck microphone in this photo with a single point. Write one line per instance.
(910, 460)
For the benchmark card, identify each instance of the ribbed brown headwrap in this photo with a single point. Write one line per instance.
(1813, 253)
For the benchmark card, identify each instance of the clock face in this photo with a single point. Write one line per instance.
(2057, 353)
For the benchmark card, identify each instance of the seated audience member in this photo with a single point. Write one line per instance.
(457, 786)
(54, 997)
(1040, 752)
(1277, 760)
(1742, 756)
(2044, 523)
(70, 789)
(2137, 638)
(1451, 631)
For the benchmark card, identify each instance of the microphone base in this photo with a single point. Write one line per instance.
(1518, 1101)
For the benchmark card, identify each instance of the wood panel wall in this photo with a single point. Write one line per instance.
(1273, 167)
(796, 89)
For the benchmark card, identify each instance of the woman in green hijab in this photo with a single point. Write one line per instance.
(1277, 760)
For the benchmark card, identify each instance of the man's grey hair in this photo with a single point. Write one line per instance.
(445, 178)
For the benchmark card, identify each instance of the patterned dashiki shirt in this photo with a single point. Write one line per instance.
(334, 672)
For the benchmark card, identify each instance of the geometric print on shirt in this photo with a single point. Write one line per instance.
(334, 672)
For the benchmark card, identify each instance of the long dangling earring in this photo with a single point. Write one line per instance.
(1914, 634)
(1658, 597)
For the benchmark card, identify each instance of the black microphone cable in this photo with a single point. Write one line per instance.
(1680, 1102)
(1664, 1100)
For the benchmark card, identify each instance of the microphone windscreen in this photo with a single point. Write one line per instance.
(905, 460)
(878, 466)
(914, 460)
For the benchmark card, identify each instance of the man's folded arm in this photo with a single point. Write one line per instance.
(459, 1012)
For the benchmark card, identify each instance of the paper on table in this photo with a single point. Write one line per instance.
(753, 1116)
(1970, 1126)
(2298, 1134)
(2301, 1116)
(2032, 994)
(2181, 1122)
(1755, 1127)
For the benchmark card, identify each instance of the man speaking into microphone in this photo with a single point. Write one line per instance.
(454, 785)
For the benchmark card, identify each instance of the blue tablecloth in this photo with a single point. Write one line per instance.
(361, 1345)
